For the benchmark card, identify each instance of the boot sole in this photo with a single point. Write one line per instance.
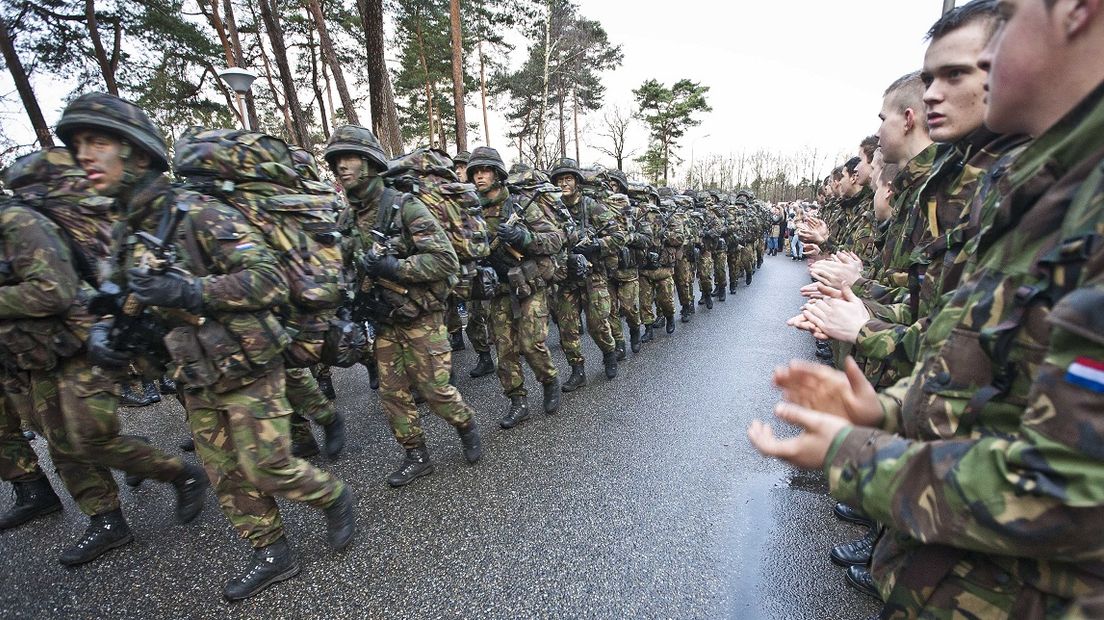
(841, 562)
(41, 512)
(115, 545)
(566, 389)
(284, 576)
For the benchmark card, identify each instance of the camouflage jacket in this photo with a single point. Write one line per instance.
(594, 219)
(667, 240)
(712, 229)
(428, 266)
(997, 464)
(625, 265)
(547, 235)
(953, 204)
(240, 339)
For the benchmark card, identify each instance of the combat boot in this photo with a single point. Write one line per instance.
(732, 288)
(305, 448)
(858, 577)
(846, 513)
(104, 533)
(634, 338)
(271, 564)
(325, 384)
(708, 302)
(417, 395)
(457, 341)
(609, 360)
(188, 445)
(649, 333)
(619, 350)
(29, 435)
(686, 312)
(824, 350)
(166, 386)
(552, 395)
(516, 414)
(191, 487)
(335, 436)
(470, 443)
(719, 293)
(659, 323)
(484, 367)
(415, 465)
(33, 499)
(151, 394)
(747, 276)
(857, 552)
(130, 397)
(576, 380)
(341, 521)
(670, 324)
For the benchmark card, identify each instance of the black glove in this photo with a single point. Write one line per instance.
(100, 351)
(169, 290)
(589, 249)
(384, 267)
(516, 236)
(578, 266)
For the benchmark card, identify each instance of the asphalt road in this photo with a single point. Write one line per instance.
(641, 498)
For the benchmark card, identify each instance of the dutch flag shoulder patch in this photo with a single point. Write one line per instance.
(1087, 373)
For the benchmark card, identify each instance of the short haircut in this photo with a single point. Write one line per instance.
(868, 146)
(837, 173)
(852, 165)
(965, 15)
(888, 173)
(907, 92)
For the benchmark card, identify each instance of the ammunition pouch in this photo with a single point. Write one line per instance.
(344, 342)
(36, 344)
(484, 283)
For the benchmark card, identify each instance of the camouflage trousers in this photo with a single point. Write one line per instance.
(657, 288)
(684, 279)
(521, 335)
(75, 408)
(720, 268)
(243, 438)
(18, 461)
(940, 583)
(624, 302)
(705, 272)
(420, 356)
(477, 330)
(569, 302)
(307, 403)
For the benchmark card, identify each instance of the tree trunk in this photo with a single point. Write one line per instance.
(483, 94)
(107, 68)
(544, 91)
(458, 76)
(442, 137)
(425, 80)
(239, 57)
(385, 118)
(330, 58)
(288, 128)
(563, 124)
(315, 86)
(23, 85)
(575, 110)
(269, 14)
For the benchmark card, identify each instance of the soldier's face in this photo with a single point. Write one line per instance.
(1033, 46)
(348, 167)
(462, 171)
(102, 157)
(891, 133)
(865, 170)
(883, 196)
(567, 183)
(484, 179)
(955, 95)
(614, 187)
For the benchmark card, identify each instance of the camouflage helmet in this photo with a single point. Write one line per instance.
(566, 166)
(461, 158)
(528, 179)
(47, 165)
(520, 167)
(665, 192)
(682, 201)
(355, 139)
(620, 178)
(117, 116)
(742, 199)
(747, 193)
(486, 157)
(305, 163)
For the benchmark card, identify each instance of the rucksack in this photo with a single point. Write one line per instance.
(254, 173)
(428, 175)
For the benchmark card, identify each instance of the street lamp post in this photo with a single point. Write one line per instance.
(240, 81)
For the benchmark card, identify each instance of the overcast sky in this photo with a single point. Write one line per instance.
(783, 74)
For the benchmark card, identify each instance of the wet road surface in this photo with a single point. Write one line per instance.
(641, 498)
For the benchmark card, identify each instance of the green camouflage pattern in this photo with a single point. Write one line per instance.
(417, 356)
(117, 116)
(243, 439)
(523, 337)
(1005, 491)
(18, 461)
(569, 303)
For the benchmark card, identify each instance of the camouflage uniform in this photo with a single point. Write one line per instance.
(657, 284)
(18, 461)
(685, 264)
(988, 468)
(623, 267)
(720, 249)
(519, 322)
(710, 232)
(572, 297)
(67, 400)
